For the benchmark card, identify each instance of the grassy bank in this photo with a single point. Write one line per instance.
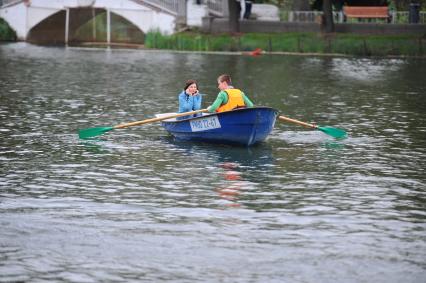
(6, 33)
(349, 44)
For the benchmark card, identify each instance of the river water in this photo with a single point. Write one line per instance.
(137, 206)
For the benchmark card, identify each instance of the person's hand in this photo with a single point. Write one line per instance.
(192, 90)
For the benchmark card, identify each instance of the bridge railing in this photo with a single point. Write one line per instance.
(171, 6)
(174, 7)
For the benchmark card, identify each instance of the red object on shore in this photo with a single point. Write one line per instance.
(256, 52)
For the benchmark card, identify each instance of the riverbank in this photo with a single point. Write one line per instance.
(301, 43)
(275, 43)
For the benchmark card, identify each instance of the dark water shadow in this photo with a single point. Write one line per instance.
(258, 155)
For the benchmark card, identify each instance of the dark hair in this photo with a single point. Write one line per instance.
(190, 82)
(224, 78)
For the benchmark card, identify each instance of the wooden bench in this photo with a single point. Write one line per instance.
(367, 12)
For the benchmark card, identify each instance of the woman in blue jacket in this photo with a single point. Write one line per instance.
(190, 99)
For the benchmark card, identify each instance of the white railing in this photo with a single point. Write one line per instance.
(303, 16)
(218, 8)
(338, 17)
(311, 16)
(173, 7)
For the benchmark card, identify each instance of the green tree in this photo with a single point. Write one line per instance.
(6, 32)
(327, 16)
(234, 19)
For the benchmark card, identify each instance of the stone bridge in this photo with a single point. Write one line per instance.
(56, 21)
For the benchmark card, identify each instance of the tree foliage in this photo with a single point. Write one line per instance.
(233, 16)
(6, 32)
(327, 16)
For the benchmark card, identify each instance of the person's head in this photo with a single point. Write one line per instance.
(224, 81)
(191, 87)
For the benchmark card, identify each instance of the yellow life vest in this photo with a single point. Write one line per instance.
(235, 99)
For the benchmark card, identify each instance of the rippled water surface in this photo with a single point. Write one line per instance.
(135, 205)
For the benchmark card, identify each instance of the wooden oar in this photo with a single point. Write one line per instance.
(93, 132)
(334, 132)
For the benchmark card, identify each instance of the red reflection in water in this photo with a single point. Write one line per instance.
(233, 186)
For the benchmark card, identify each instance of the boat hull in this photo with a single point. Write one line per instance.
(245, 126)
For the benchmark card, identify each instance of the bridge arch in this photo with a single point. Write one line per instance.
(85, 25)
(51, 29)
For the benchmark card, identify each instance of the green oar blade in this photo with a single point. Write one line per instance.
(93, 132)
(334, 132)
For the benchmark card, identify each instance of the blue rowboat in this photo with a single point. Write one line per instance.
(245, 126)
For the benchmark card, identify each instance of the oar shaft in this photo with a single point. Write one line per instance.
(307, 125)
(158, 119)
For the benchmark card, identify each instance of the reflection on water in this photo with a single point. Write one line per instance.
(94, 146)
(240, 169)
(135, 205)
(233, 186)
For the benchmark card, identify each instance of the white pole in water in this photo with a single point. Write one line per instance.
(108, 27)
(67, 24)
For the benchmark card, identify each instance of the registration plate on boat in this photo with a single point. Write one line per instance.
(204, 124)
